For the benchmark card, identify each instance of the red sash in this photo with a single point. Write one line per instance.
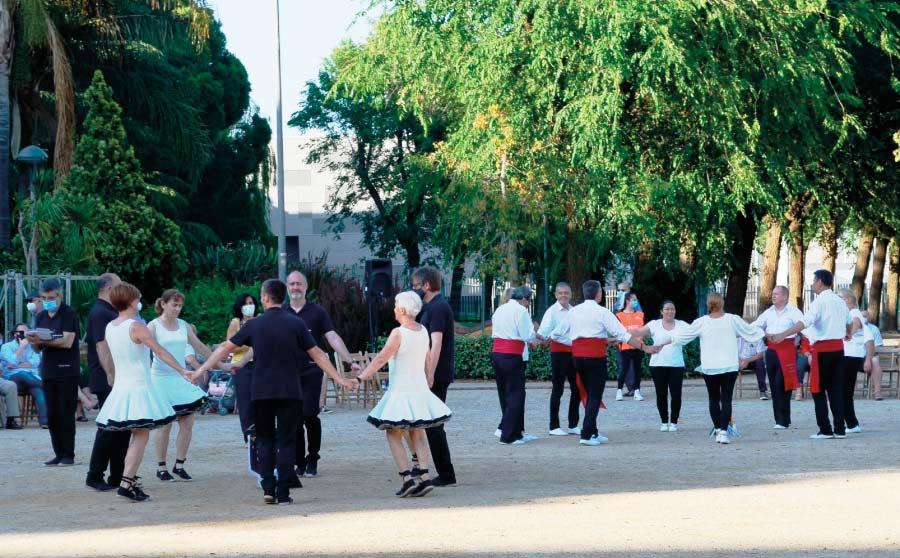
(556, 347)
(787, 358)
(508, 346)
(583, 394)
(824, 346)
(589, 347)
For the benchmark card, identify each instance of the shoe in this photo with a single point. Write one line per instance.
(673, 427)
(424, 488)
(558, 432)
(840, 436)
(99, 485)
(52, 462)
(638, 396)
(574, 430)
(181, 475)
(855, 430)
(139, 489)
(722, 437)
(66, 462)
(285, 501)
(325, 411)
(518, 442)
(779, 427)
(164, 476)
(821, 436)
(269, 499)
(407, 486)
(132, 490)
(879, 398)
(619, 395)
(13, 424)
(763, 396)
(664, 427)
(312, 470)
(595, 440)
(443, 481)
(529, 437)
(498, 433)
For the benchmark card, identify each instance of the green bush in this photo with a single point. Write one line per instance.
(208, 303)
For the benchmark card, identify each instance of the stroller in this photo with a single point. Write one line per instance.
(221, 393)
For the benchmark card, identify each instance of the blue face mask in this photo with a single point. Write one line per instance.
(50, 305)
(635, 305)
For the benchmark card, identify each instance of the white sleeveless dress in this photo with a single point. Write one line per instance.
(134, 402)
(184, 396)
(408, 403)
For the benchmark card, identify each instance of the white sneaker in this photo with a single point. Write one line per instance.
(673, 427)
(779, 427)
(558, 432)
(664, 427)
(855, 430)
(529, 437)
(601, 438)
(518, 442)
(638, 396)
(595, 440)
(821, 436)
(619, 395)
(576, 431)
(722, 437)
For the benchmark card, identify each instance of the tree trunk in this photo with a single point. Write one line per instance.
(797, 268)
(769, 272)
(4, 134)
(829, 239)
(881, 248)
(512, 256)
(893, 287)
(742, 252)
(456, 283)
(866, 238)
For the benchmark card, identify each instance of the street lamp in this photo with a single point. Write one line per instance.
(35, 157)
(279, 154)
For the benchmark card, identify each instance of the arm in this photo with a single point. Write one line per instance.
(64, 342)
(430, 365)
(340, 348)
(854, 326)
(215, 358)
(389, 350)
(615, 329)
(320, 358)
(870, 354)
(749, 332)
(642, 331)
(195, 342)
(142, 334)
(106, 361)
(525, 328)
(546, 328)
(434, 354)
(687, 334)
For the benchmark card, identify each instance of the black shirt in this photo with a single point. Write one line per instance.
(280, 343)
(437, 317)
(319, 323)
(55, 362)
(101, 314)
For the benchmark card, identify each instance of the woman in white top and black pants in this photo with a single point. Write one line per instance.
(667, 365)
(718, 357)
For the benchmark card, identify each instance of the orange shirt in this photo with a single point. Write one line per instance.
(632, 321)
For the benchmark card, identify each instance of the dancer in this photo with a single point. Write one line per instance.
(408, 404)
(243, 310)
(311, 378)
(512, 333)
(177, 337)
(589, 325)
(718, 357)
(561, 363)
(666, 365)
(781, 358)
(135, 403)
(630, 359)
(828, 320)
(280, 343)
(858, 353)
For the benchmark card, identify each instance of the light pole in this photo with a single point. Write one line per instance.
(34, 157)
(279, 154)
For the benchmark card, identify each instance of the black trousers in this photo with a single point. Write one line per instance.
(720, 388)
(760, 367)
(850, 367)
(109, 450)
(831, 393)
(563, 367)
(667, 380)
(276, 423)
(593, 372)
(781, 399)
(437, 439)
(62, 400)
(509, 373)
(630, 368)
(243, 381)
(310, 386)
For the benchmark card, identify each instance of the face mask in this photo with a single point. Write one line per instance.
(419, 292)
(248, 310)
(50, 305)
(32, 307)
(140, 306)
(635, 305)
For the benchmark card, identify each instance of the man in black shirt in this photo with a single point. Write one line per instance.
(110, 446)
(437, 317)
(60, 370)
(282, 345)
(322, 328)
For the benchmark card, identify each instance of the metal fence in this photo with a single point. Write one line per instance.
(17, 287)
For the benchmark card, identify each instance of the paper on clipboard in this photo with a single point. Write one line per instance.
(41, 333)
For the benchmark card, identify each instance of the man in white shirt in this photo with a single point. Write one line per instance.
(828, 320)
(781, 358)
(561, 363)
(512, 333)
(589, 325)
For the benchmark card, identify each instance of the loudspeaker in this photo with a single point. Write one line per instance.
(379, 279)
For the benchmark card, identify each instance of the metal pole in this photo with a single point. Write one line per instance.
(279, 154)
(546, 266)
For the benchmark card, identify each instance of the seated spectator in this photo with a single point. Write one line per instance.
(751, 355)
(21, 365)
(10, 393)
(878, 340)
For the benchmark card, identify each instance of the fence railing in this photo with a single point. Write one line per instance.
(18, 286)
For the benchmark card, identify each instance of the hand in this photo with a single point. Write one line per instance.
(351, 384)
(776, 338)
(23, 342)
(867, 365)
(744, 364)
(355, 367)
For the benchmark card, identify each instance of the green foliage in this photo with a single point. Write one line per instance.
(208, 303)
(243, 263)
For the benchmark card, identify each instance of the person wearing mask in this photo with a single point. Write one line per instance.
(859, 348)
(828, 320)
(311, 378)
(512, 332)
(781, 358)
(21, 365)
(561, 363)
(631, 360)
(60, 370)
(241, 365)
(667, 365)
(437, 317)
(180, 340)
(279, 342)
(34, 307)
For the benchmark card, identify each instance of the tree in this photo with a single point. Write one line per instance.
(771, 256)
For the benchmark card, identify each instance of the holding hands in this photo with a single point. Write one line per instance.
(652, 349)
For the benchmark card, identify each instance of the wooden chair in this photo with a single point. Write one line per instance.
(889, 358)
(27, 408)
(372, 388)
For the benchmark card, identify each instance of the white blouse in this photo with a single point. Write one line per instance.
(718, 341)
(856, 347)
(670, 355)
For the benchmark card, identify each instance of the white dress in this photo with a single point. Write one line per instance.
(134, 402)
(184, 396)
(408, 403)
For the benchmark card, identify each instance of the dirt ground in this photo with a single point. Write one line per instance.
(645, 493)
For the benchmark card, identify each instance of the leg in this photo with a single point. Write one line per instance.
(637, 360)
(10, 393)
(574, 394)
(311, 385)
(30, 382)
(437, 441)
(323, 392)
(623, 369)
(55, 409)
(760, 367)
(500, 379)
(264, 419)
(713, 391)
(834, 387)
(185, 433)
(559, 384)
(776, 382)
(660, 383)
(420, 443)
(514, 394)
(100, 451)
(69, 401)
(849, 368)
(243, 381)
(676, 377)
(398, 451)
(288, 415)
(161, 439)
(726, 393)
(118, 449)
(594, 378)
(135, 453)
(820, 401)
(875, 378)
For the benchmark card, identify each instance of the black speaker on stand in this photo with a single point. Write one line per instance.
(379, 286)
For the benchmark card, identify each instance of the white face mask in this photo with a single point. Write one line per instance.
(140, 306)
(32, 307)
(248, 310)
